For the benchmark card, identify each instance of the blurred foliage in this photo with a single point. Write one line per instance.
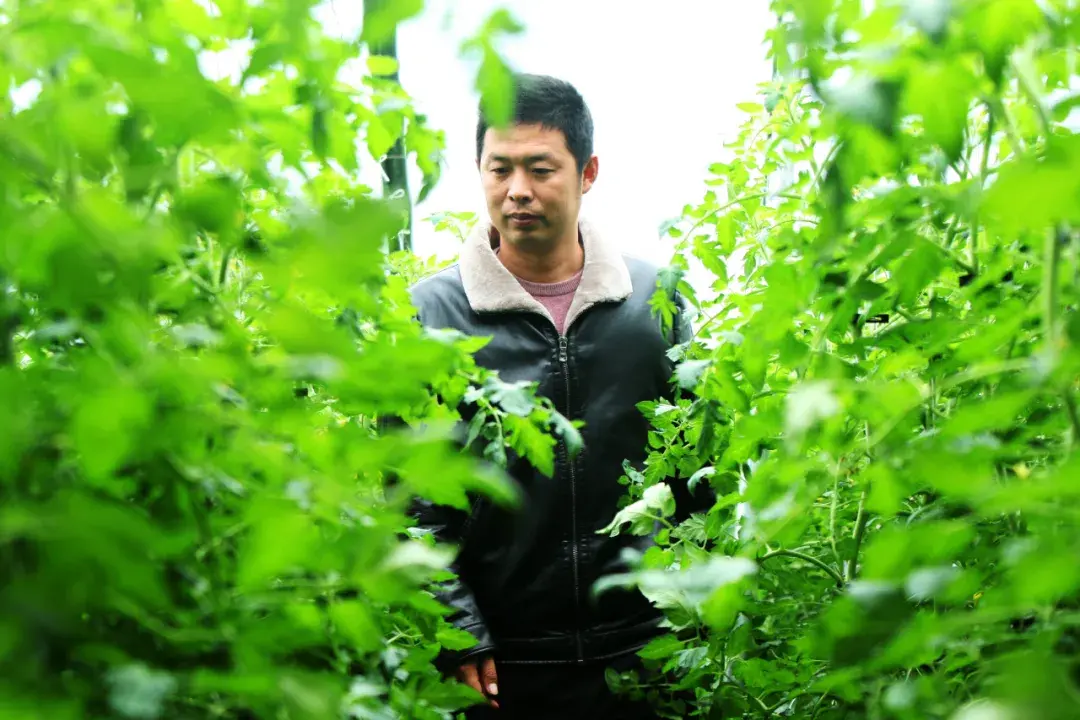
(199, 328)
(885, 365)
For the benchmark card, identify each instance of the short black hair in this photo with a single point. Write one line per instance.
(553, 104)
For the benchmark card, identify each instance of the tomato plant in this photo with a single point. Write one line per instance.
(199, 328)
(885, 366)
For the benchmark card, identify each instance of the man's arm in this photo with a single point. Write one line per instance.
(473, 666)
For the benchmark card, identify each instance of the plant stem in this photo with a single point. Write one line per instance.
(1054, 242)
(1033, 97)
(223, 273)
(973, 245)
(832, 516)
(1051, 261)
(806, 558)
(9, 323)
(738, 201)
(1074, 417)
(861, 519)
(976, 372)
(1010, 127)
(764, 708)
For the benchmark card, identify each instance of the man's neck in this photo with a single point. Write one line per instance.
(554, 264)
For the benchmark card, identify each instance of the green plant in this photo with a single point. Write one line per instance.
(886, 375)
(199, 328)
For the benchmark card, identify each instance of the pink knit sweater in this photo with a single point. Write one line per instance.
(556, 297)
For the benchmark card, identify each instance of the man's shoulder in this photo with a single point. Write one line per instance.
(439, 296)
(438, 284)
(642, 272)
(640, 264)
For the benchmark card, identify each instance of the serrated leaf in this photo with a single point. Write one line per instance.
(688, 373)
(530, 442)
(656, 501)
(661, 647)
(512, 397)
(697, 477)
(568, 432)
(455, 639)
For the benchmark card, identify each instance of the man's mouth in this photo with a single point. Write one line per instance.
(523, 219)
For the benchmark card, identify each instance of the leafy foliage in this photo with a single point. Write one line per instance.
(199, 329)
(886, 369)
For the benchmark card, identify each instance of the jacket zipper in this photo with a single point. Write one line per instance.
(565, 362)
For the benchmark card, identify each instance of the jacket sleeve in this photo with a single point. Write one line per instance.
(449, 525)
(703, 496)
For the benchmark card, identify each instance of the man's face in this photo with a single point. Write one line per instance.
(532, 185)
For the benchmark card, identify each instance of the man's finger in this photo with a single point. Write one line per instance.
(468, 674)
(488, 676)
(489, 679)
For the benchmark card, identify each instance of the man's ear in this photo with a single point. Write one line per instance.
(588, 175)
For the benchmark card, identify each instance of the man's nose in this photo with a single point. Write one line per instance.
(520, 187)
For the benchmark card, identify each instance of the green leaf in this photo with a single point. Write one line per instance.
(107, 425)
(568, 432)
(656, 501)
(918, 270)
(941, 94)
(1000, 411)
(688, 373)
(1032, 194)
(495, 83)
(183, 104)
(355, 622)
(697, 477)
(281, 539)
(997, 27)
(661, 647)
(382, 65)
(531, 442)
(754, 363)
(455, 639)
(512, 397)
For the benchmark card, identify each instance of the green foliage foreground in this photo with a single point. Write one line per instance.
(200, 326)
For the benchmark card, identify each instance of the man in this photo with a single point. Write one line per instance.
(564, 308)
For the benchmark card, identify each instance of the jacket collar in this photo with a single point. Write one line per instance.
(490, 287)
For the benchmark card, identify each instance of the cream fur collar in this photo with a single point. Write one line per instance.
(490, 287)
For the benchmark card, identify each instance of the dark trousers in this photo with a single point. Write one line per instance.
(562, 692)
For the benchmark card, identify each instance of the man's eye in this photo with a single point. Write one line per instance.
(543, 171)
(499, 170)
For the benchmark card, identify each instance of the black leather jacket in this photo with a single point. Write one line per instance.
(526, 574)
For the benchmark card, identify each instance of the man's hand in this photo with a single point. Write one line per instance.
(480, 676)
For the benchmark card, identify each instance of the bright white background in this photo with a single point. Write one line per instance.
(661, 80)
